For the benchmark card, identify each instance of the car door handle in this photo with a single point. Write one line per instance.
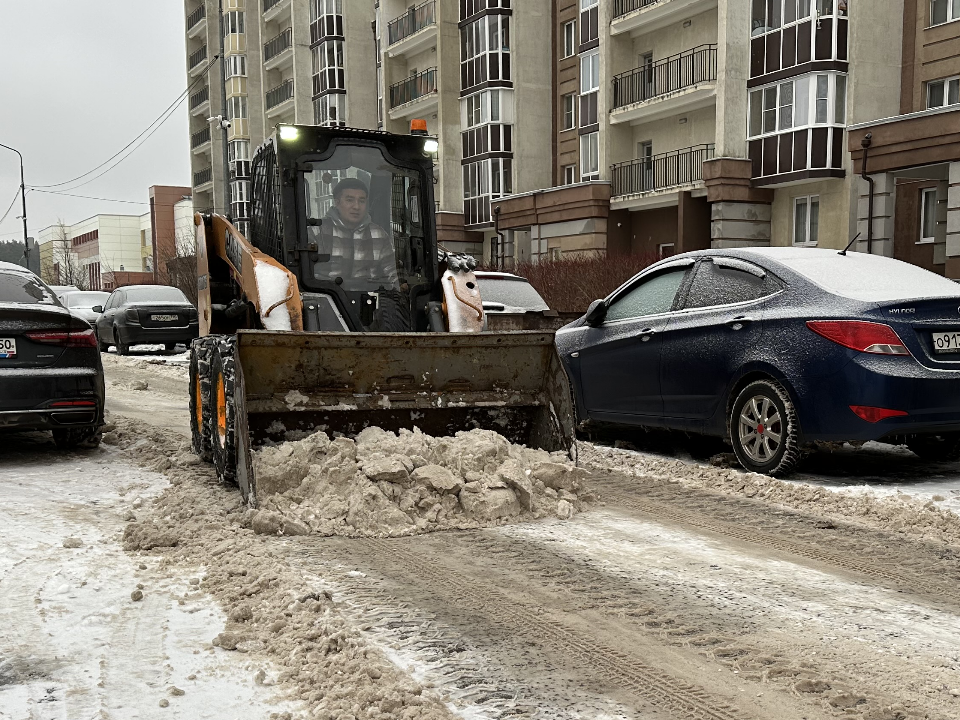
(739, 322)
(646, 334)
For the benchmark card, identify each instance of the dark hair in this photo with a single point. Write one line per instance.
(349, 184)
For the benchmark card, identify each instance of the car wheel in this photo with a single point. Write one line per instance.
(222, 408)
(764, 430)
(170, 347)
(944, 447)
(200, 402)
(121, 348)
(70, 438)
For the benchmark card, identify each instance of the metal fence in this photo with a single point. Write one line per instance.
(277, 44)
(279, 94)
(268, 4)
(665, 76)
(201, 177)
(622, 7)
(198, 57)
(659, 172)
(196, 16)
(199, 138)
(199, 97)
(412, 21)
(414, 87)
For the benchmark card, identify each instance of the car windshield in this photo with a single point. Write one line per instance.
(364, 215)
(25, 289)
(154, 293)
(512, 293)
(84, 299)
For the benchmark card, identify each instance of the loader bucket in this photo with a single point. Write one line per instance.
(441, 383)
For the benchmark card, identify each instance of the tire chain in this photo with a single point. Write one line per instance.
(225, 460)
(670, 694)
(200, 437)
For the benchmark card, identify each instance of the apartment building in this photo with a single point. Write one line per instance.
(912, 154)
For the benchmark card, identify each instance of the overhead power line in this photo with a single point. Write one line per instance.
(15, 196)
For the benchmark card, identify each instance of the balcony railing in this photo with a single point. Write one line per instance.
(413, 87)
(678, 167)
(412, 21)
(199, 138)
(196, 16)
(202, 177)
(622, 7)
(198, 57)
(268, 5)
(199, 97)
(666, 76)
(279, 94)
(277, 44)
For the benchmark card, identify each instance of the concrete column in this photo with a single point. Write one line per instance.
(733, 69)
(884, 201)
(953, 222)
(740, 224)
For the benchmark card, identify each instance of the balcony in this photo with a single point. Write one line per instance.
(202, 178)
(197, 61)
(643, 16)
(275, 49)
(413, 31)
(679, 83)
(279, 98)
(272, 8)
(199, 139)
(200, 101)
(413, 95)
(642, 182)
(197, 21)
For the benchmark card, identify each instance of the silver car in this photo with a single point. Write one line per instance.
(82, 302)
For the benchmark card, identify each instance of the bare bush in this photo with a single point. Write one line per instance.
(571, 282)
(182, 269)
(67, 266)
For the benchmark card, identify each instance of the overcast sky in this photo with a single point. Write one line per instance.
(80, 80)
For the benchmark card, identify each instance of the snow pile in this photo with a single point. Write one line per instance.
(273, 286)
(386, 484)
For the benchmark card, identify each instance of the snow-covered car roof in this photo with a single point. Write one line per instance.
(14, 267)
(499, 275)
(859, 276)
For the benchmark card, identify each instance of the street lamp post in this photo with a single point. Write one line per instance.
(23, 200)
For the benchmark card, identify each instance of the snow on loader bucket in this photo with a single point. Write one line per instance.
(441, 383)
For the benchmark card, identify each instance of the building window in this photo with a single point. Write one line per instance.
(589, 88)
(236, 66)
(485, 107)
(928, 215)
(942, 11)
(589, 21)
(570, 38)
(484, 181)
(590, 156)
(569, 111)
(941, 93)
(240, 191)
(485, 51)
(328, 73)
(769, 15)
(569, 174)
(806, 220)
(238, 150)
(326, 19)
(804, 101)
(237, 107)
(330, 110)
(233, 23)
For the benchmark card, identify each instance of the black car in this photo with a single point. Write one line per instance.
(51, 376)
(775, 347)
(146, 315)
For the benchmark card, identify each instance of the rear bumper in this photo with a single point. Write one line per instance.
(158, 336)
(26, 396)
(930, 397)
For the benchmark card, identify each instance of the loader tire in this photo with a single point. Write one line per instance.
(200, 399)
(223, 436)
(393, 313)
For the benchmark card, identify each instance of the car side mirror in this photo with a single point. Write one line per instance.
(596, 313)
(97, 308)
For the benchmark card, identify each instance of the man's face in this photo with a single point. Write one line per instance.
(352, 205)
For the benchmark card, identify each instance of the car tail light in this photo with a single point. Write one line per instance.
(133, 315)
(73, 403)
(868, 337)
(875, 414)
(79, 338)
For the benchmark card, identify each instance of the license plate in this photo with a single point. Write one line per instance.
(8, 348)
(946, 342)
(164, 318)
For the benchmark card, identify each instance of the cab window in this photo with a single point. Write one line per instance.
(725, 281)
(651, 296)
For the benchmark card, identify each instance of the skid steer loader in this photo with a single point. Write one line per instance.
(339, 312)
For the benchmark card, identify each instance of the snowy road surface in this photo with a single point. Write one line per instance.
(689, 591)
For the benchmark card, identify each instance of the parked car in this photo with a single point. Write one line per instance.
(82, 302)
(51, 376)
(508, 293)
(59, 290)
(773, 348)
(146, 315)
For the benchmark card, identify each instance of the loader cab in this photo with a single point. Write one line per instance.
(350, 212)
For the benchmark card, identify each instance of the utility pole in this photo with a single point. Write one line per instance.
(23, 200)
(224, 127)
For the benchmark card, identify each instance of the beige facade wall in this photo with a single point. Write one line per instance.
(533, 96)
(696, 127)
(360, 64)
(835, 212)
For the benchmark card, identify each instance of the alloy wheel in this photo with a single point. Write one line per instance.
(760, 429)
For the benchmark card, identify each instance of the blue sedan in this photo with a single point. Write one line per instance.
(774, 348)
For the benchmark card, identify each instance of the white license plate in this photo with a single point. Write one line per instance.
(164, 318)
(8, 348)
(946, 342)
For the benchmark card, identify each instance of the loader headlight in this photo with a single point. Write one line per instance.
(430, 146)
(288, 133)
